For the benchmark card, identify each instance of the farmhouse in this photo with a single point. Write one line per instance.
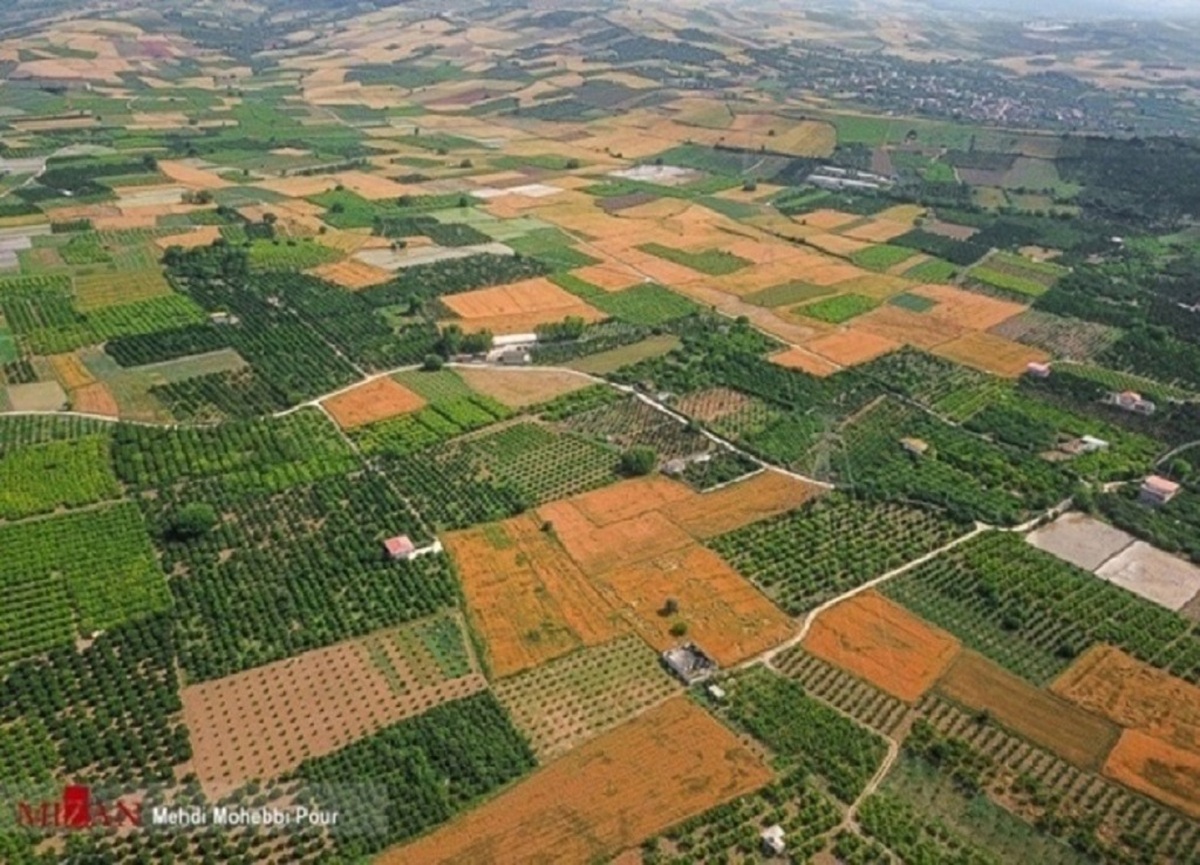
(1156, 491)
(1084, 445)
(772, 838)
(689, 663)
(1131, 401)
(916, 447)
(401, 548)
(1038, 370)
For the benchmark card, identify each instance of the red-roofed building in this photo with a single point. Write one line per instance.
(1156, 491)
(400, 547)
(1038, 370)
(1132, 401)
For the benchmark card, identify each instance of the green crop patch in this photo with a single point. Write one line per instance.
(787, 294)
(912, 302)
(714, 262)
(95, 567)
(836, 310)
(646, 304)
(933, 270)
(881, 257)
(290, 254)
(45, 477)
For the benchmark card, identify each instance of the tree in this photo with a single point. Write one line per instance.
(669, 608)
(433, 362)
(192, 521)
(639, 460)
(679, 629)
(749, 185)
(572, 164)
(466, 163)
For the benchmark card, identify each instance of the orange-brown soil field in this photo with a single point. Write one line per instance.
(606, 796)
(189, 176)
(991, 353)
(1109, 682)
(966, 309)
(882, 643)
(70, 371)
(522, 387)
(852, 346)
(352, 274)
(600, 548)
(95, 398)
(705, 515)
(263, 722)
(1160, 770)
(905, 326)
(377, 400)
(805, 361)
(528, 599)
(1043, 718)
(517, 307)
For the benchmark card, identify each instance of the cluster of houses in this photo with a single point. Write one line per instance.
(1126, 400)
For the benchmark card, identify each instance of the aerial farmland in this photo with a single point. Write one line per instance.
(536, 432)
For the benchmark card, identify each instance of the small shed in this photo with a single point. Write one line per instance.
(773, 840)
(1038, 370)
(916, 447)
(1156, 491)
(400, 547)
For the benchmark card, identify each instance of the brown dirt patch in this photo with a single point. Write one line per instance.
(263, 722)
(882, 643)
(517, 388)
(852, 346)
(725, 615)
(629, 499)
(905, 326)
(197, 178)
(1079, 737)
(805, 361)
(352, 274)
(601, 798)
(1151, 766)
(827, 219)
(528, 599)
(991, 353)
(836, 244)
(1109, 682)
(70, 371)
(95, 399)
(600, 548)
(705, 515)
(714, 404)
(610, 277)
(518, 307)
(380, 399)
(966, 309)
(879, 230)
(203, 235)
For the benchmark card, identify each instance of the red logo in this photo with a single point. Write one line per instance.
(78, 809)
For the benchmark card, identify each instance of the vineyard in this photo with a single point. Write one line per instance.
(1032, 613)
(82, 572)
(408, 778)
(846, 693)
(563, 703)
(804, 734)
(830, 545)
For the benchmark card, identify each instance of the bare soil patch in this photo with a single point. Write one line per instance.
(852, 346)
(992, 354)
(766, 494)
(517, 388)
(1154, 574)
(1158, 769)
(377, 400)
(1082, 540)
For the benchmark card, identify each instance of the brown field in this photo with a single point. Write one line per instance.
(527, 598)
(991, 353)
(263, 722)
(725, 615)
(827, 219)
(197, 178)
(705, 515)
(299, 186)
(518, 307)
(517, 388)
(852, 346)
(39, 396)
(598, 548)
(805, 361)
(352, 274)
(875, 285)
(629, 499)
(966, 309)
(371, 186)
(203, 235)
(609, 795)
(882, 643)
(1045, 719)
(1158, 769)
(95, 398)
(1109, 682)
(879, 230)
(348, 242)
(70, 371)
(836, 244)
(377, 400)
(905, 326)
(713, 404)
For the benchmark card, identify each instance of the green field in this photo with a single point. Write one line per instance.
(838, 309)
(912, 302)
(934, 270)
(881, 257)
(714, 262)
(788, 293)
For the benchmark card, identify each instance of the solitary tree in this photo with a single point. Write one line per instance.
(192, 521)
(638, 460)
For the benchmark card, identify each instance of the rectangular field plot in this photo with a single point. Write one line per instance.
(91, 570)
(44, 477)
(831, 545)
(849, 694)
(1079, 737)
(1151, 766)
(883, 643)
(611, 794)
(1155, 575)
(1082, 540)
(262, 723)
(572, 699)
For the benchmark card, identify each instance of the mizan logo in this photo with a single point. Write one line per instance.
(78, 809)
